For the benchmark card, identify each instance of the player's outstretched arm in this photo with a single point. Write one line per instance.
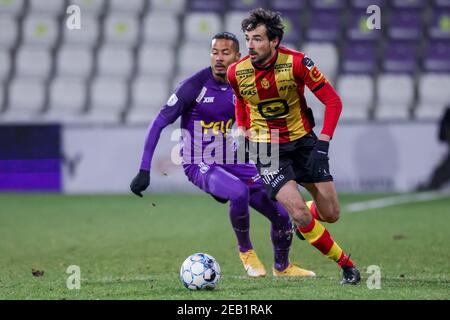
(178, 103)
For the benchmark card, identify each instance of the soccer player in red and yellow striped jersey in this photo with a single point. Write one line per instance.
(271, 108)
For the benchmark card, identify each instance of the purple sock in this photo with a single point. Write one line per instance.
(226, 186)
(281, 228)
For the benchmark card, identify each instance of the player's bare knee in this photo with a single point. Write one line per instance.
(332, 215)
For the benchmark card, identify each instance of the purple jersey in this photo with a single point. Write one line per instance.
(206, 107)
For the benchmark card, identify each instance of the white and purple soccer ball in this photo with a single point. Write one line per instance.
(200, 271)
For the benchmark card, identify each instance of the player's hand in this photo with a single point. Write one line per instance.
(318, 160)
(140, 182)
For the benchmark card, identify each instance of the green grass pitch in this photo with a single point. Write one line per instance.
(132, 248)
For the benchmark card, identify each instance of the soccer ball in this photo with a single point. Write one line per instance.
(200, 271)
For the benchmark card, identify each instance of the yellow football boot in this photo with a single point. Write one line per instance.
(293, 271)
(252, 264)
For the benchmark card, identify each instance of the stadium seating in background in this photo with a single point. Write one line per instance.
(364, 4)
(232, 23)
(395, 94)
(108, 98)
(154, 34)
(193, 58)
(101, 72)
(357, 94)
(115, 62)
(91, 8)
(208, 5)
(324, 25)
(359, 57)
(400, 56)
(439, 28)
(40, 30)
(9, 32)
(5, 67)
(12, 8)
(121, 30)
(288, 5)
(434, 96)
(131, 7)
(325, 55)
(201, 27)
(88, 36)
(442, 3)
(26, 100)
(148, 97)
(156, 61)
(34, 63)
(405, 24)
(67, 100)
(436, 57)
(74, 62)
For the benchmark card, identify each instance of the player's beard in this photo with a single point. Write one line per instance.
(221, 74)
(260, 59)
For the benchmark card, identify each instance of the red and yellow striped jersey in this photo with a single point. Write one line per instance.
(273, 97)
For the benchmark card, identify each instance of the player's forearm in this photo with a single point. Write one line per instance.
(154, 132)
(333, 107)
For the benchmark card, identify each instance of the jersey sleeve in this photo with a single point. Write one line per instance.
(178, 103)
(308, 72)
(242, 119)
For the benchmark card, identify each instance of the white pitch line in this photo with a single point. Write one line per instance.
(395, 200)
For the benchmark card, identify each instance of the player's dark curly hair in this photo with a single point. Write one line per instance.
(271, 19)
(228, 36)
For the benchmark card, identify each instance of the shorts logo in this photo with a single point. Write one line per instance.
(203, 167)
(265, 83)
(272, 178)
(172, 100)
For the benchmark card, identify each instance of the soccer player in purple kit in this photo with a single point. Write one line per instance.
(205, 101)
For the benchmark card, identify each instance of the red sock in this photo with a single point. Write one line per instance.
(313, 208)
(345, 260)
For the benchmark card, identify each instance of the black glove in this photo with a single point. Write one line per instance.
(140, 182)
(317, 164)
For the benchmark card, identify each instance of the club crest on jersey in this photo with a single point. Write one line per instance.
(315, 74)
(265, 83)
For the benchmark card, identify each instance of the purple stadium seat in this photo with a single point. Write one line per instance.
(363, 4)
(400, 57)
(358, 30)
(208, 5)
(324, 25)
(418, 4)
(439, 27)
(437, 56)
(442, 3)
(328, 4)
(283, 5)
(405, 24)
(292, 31)
(246, 4)
(359, 57)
